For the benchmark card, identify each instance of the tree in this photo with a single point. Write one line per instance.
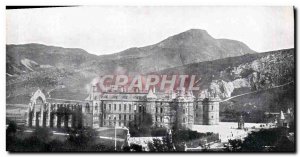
(258, 141)
(82, 139)
(234, 145)
(11, 129)
(55, 146)
(11, 139)
(133, 148)
(284, 145)
(37, 141)
(263, 140)
(141, 128)
(42, 134)
(164, 145)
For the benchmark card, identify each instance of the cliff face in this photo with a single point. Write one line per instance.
(271, 70)
(268, 78)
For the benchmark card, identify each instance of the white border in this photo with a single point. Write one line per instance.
(127, 3)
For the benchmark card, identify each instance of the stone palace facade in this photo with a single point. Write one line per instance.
(110, 109)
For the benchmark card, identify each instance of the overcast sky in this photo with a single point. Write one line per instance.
(105, 30)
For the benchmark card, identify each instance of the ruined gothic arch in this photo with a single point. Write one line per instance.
(36, 98)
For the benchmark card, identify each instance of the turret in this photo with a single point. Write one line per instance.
(150, 107)
(207, 109)
(288, 111)
(185, 109)
(151, 95)
(281, 115)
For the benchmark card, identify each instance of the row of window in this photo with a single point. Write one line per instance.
(88, 108)
(158, 119)
(197, 115)
(157, 109)
(212, 107)
(114, 123)
(119, 117)
(130, 107)
(128, 117)
(123, 97)
(109, 107)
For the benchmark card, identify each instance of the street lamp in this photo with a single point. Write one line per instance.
(115, 133)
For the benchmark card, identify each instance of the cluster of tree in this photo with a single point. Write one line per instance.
(143, 128)
(177, 141)
(133, 148)
(188, 135)
(169, 143)
(164, 145)
(264, 140)
(40, 140)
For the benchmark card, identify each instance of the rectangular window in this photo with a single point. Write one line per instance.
(156, 109)
(129, 107)
(125, 117)
(161, 110)
(104, 106)
(109, 107)
(115, 107)
(125, 107)
(161, 119)
(135, 107)
(129, 117)
(120, 107)
(96, 107)
(119, 116)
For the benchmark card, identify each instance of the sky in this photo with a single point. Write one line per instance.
(110, 29)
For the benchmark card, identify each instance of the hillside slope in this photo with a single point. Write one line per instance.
(70, 70)
(192, 46)
(257, 74)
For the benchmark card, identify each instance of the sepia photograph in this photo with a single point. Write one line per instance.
(150, 79)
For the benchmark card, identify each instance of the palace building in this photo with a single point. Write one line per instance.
(119, 108)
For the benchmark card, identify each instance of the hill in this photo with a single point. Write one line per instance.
(188, 47)
(61, 71)
(257, 74)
